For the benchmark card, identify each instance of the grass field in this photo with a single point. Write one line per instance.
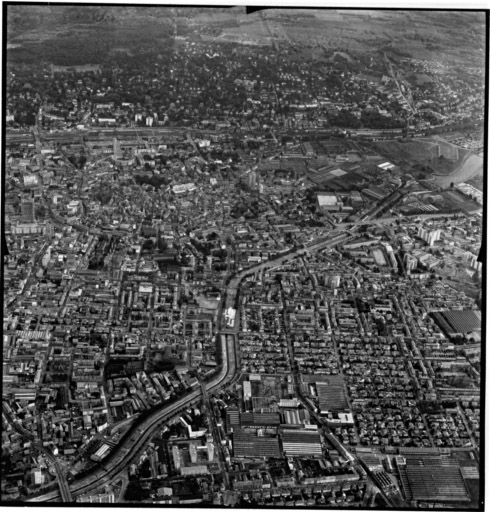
(459, 198)
(459, 201)
(409, 153)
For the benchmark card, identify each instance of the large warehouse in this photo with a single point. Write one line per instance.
(433, 479)
(329, 201)
(458, 323)
(301, 443)
(250, 445)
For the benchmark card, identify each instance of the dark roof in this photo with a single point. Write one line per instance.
(259, 419)
(232, 419)
(301, 436)
(433, 480)
(458, 321)
(331, 394)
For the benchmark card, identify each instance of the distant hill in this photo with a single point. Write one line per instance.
(77, 35)
(85, 34)
(23, 19)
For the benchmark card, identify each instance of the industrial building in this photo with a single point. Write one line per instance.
(254, 445)
(301, 443)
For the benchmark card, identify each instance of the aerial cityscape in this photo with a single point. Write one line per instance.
(242, 257)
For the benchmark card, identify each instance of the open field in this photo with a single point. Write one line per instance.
(430, 157)
(404, 154)
(409, 153)
(460, 201)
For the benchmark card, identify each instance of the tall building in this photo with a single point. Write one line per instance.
(193, 453)
(28, 212)
(472, 260)
(117, 150)
(46, 257)
(210, 447)
(429, 237)
(410, 261)
(247, 390)
(249, 179)
(433, 237)
(176, 456)
(477, 265)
